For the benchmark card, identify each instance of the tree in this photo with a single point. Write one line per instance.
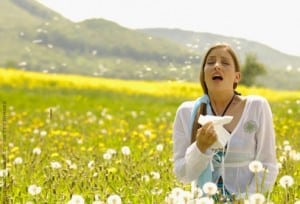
(251, 69)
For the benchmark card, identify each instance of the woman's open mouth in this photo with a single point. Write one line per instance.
(217, 78)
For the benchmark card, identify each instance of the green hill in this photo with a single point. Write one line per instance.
(35, 38)
(282, 69)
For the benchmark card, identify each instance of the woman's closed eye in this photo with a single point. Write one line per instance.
(210, 62)
(225, 63)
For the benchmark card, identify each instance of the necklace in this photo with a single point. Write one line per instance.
(226, 108)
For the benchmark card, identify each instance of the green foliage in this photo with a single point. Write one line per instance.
(78, 126)
(251, 69)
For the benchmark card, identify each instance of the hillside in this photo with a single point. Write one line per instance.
(283, 69)
(50, 43)
(36, 38)
(199, 42)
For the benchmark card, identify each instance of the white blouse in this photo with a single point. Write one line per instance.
(252, 139)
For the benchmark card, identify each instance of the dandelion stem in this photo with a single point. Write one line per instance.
(256, 182)
(4, 153)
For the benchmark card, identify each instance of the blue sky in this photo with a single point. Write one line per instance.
(275, 23)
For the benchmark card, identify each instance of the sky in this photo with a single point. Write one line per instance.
(275, 23)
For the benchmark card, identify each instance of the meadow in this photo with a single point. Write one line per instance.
(65, 135)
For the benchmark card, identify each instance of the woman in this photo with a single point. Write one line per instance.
(251, 131)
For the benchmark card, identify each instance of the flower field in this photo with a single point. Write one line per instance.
(74, 139)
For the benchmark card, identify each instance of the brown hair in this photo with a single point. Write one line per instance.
(196, 125)
(233, 55)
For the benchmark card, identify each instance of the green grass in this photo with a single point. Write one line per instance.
(86, 122)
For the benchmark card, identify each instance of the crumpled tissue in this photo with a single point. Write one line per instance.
(218, 122)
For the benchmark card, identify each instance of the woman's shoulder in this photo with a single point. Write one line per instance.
(186, 105)
(257, 102)
(256, 99)
(185, 108)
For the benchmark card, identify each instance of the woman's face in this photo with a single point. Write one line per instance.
(219, 71)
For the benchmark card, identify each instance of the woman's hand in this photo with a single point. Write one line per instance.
(206, 136)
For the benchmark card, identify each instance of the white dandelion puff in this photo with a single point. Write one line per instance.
(91, 164)
(286, 181)
(145, 178)
(34, 189)
(287, 148)
(257, 198)
(147, 133)
(255, 166)
(204, 200)
(37, 151)
(279, 165)
(3, 172)
(196, 191)
(155, 175)
(18, 160)
(210, 188)
(177, 192)
(76, 199)
(55, 165)
(125, 150)
(114, 199)
(160, 147)
(107, 156)
(286, 142)
(111, 151)
(43, 133)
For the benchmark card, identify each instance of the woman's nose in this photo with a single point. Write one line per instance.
(217, 66)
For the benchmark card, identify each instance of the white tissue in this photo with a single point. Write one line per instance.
(218, 122)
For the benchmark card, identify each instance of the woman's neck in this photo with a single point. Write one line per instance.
(220, 102)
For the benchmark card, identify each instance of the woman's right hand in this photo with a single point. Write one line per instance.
(206, 136)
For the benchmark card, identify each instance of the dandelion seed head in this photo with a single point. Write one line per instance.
(3, 172)
(156, 191)
(255, 166)
(91, 164)
(160, 147)
(55, 165)
(76, 199)
(177, 192)
(73, 166)
(257, 198)
(145, 178)
(125, 150)
(287, 148)
(18, 160)
(36, 131)
(107, 156)
(147, 133)
(37, 151)
(282, 159)
(204, 200)
(114, 199)
(111, 151)
(210, 188)
(286, 181)
(43, 133)
(155, 175)
(286, 142)
(34, 189)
